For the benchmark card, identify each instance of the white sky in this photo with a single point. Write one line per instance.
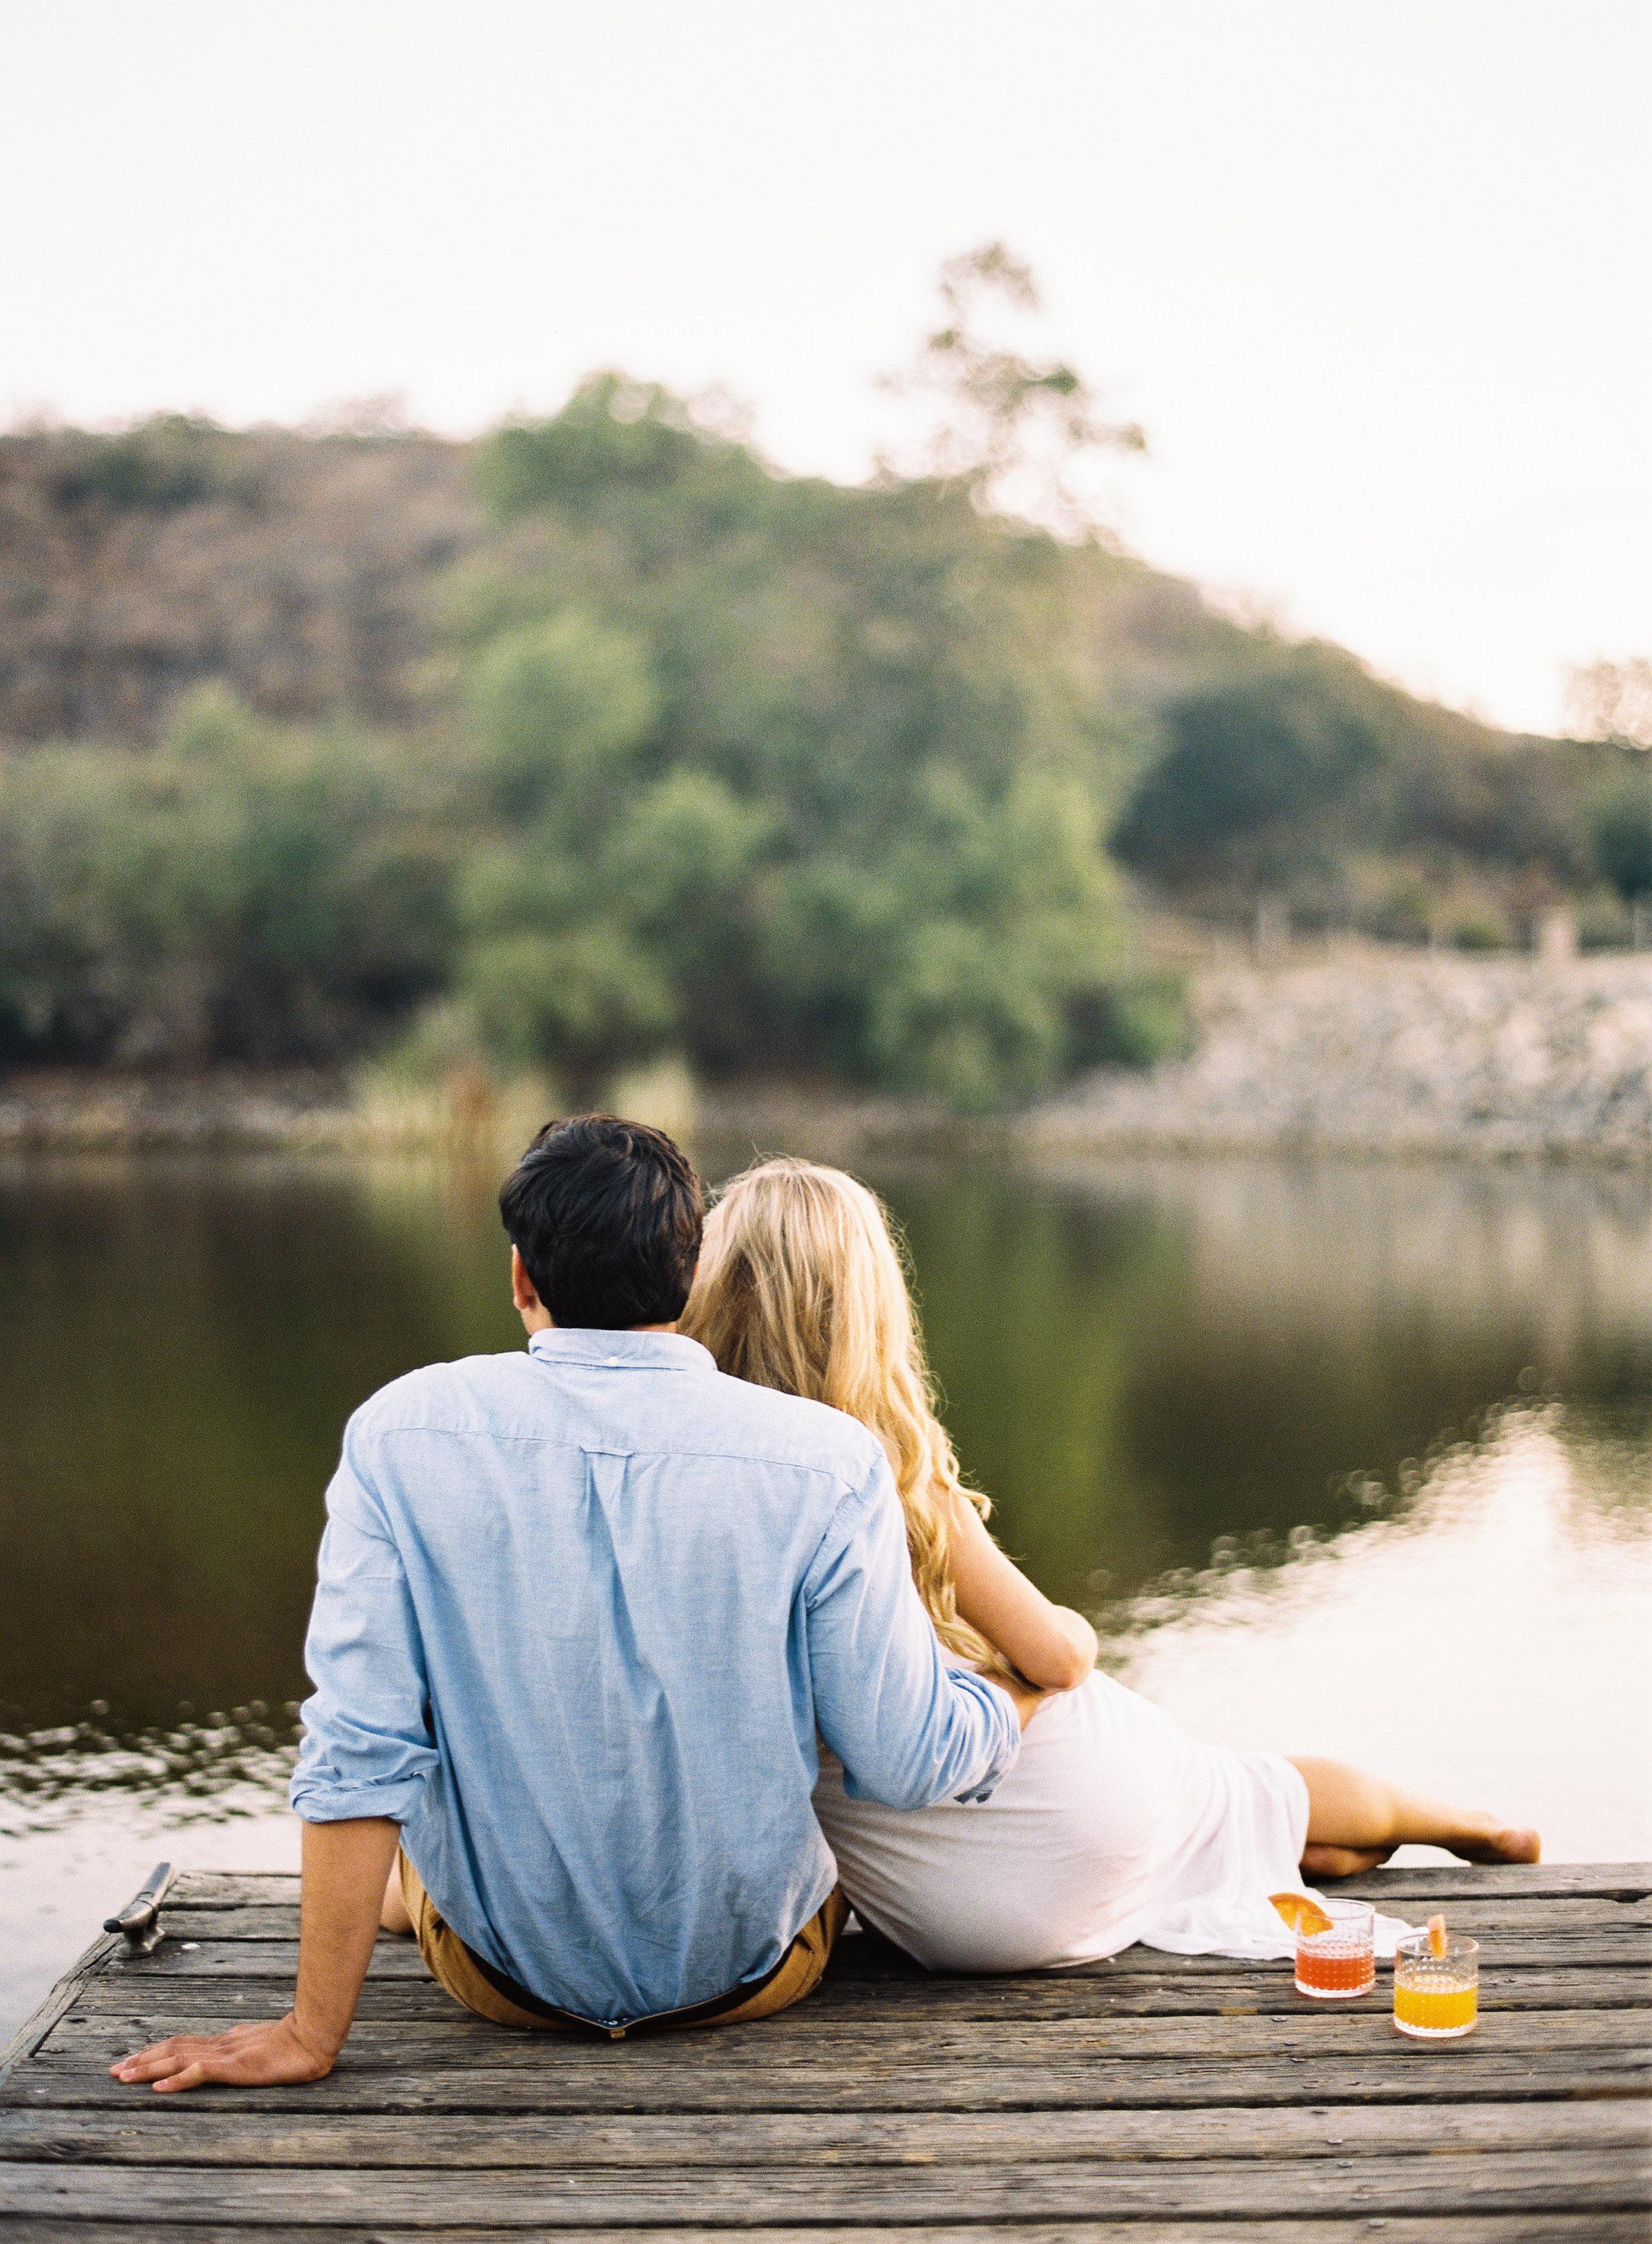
(1374, 273)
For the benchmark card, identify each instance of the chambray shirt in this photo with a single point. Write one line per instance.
(581, 1612)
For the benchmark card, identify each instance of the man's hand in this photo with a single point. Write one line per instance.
(346, 1865)
(265, 2055)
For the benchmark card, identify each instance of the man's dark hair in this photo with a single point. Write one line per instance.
(607, 1216)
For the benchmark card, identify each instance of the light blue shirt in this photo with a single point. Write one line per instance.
(580, 1614)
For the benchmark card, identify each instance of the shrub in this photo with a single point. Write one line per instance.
(1479, 927)
(1140, 1021)
(1620, 828)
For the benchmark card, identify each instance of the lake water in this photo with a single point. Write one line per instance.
(1345, 1459)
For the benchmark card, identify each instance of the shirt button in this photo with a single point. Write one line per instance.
(612, 1363)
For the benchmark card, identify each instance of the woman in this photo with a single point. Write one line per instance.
(1113, 1825)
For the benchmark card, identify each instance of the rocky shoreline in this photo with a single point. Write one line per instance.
(1364, 1051)
(1359, 1051)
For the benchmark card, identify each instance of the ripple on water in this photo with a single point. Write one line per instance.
(213, 1770)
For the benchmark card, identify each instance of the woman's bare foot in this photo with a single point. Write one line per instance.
(1492, 1845)
(1472, 1844)
(1356, 1821)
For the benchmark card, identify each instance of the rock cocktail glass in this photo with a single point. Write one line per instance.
(1436, 1983)
(1334, 1954)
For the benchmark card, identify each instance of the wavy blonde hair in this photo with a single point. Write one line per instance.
(802, 1286)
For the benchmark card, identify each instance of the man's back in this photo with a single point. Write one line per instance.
(581, 1612)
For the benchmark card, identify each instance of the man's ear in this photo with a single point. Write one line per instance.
(522, 1288)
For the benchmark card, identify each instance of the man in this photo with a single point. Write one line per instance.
(580, 1614)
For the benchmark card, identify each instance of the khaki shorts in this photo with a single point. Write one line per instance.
(470, 1981)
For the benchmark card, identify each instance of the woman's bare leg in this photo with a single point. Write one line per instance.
(1356, 1821)
(393, 1916)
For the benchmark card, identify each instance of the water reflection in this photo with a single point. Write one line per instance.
(1299, 1430)
(179, 1347)
(1488, 1639)
(1141, 1357)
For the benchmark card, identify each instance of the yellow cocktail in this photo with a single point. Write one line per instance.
(1436, 1985)
(1435, 2011)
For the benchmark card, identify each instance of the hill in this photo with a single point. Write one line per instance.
(600, 737)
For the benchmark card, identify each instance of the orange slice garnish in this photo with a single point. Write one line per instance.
(1437, 1935)
(1301, 1912)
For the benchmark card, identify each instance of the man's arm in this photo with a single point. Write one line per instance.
(365, 1755)
(908, 1729)
(346, 1865)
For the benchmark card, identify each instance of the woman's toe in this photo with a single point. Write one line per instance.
(1520, 1846)
(1515, 1845)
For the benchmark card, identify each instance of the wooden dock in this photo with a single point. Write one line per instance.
(1150, 2098)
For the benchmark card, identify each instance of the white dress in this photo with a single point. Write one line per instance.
(1113, 1825)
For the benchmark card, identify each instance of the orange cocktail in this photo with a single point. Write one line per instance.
(1337, 1961)
(1436, 1985)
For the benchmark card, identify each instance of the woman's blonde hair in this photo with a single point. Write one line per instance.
(802, 1286)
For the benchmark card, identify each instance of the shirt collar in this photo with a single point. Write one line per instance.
(621, 1351)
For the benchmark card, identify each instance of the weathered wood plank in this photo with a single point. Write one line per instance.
(1262, 1991)
(1310, 2036)
(219, 1889)
(42, 2021)
(970, 2193)
(1433, 1882)
(704, 2082)
(1468, 2227)
(172, 2133)
(1523, 1881)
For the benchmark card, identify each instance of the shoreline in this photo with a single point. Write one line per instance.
(115, 1116)
(1349, 1052)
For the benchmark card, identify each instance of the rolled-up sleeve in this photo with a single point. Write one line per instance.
(368, 1749)
(908, 1729)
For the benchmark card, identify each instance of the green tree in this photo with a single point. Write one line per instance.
(114, 895)
(1242, 761)
(577, 912)
(584, 994)
(1620, 828)
(241, 893)
(846, 854)
(559, 710)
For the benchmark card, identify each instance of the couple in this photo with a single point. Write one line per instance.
(641, 1655)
